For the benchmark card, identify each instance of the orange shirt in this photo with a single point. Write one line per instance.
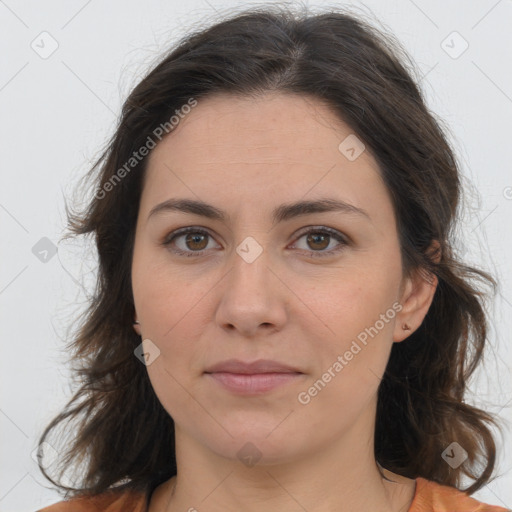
(428, 497)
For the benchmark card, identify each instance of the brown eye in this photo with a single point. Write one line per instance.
(188, 241)
(196, 241)
(318, 241)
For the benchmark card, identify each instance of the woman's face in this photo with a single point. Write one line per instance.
(318, 291)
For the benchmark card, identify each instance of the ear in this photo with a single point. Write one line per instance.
(417, 293)
(136, 326)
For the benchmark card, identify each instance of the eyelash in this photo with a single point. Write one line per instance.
(320, 230)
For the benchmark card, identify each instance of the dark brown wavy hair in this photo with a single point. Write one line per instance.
(123, 437)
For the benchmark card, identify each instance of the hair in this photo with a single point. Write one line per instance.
(124, 437)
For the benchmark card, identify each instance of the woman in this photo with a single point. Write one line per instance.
(281, 322)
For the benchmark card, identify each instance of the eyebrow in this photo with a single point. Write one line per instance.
(281, 213)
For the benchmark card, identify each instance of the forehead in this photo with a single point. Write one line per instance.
(275, 147)
(273, 124)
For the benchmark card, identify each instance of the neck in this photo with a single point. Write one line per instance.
(341, 477)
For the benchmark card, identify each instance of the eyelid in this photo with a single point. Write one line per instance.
(340, 237)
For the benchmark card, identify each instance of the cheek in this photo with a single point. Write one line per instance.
(350, 363)
(353, 317)
(348, 302)
(166, 298)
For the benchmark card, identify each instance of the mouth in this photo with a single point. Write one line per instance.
(254, 378)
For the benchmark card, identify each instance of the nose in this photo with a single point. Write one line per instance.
(252, 297)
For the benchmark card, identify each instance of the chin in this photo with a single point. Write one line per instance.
(254, 445)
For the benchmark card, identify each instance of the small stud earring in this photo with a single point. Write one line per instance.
(405, 327)
(136, 323)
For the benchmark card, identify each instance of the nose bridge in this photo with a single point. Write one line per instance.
(251, 265)
(251, 295)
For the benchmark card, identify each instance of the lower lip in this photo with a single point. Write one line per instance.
(256, 383)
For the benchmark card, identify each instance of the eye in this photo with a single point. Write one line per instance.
(320, 238)
(195, 241)
(192, 241)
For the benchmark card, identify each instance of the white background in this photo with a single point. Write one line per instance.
(57, 112)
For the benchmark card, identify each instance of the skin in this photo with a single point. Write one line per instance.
(248, 156)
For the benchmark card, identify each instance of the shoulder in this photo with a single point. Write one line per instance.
(110, 501)
(433, 497)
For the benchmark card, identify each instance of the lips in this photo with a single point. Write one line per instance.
(255, 367)
(255, 378)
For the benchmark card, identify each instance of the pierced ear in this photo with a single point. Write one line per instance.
(417, 296)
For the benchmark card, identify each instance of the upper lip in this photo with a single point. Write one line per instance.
(259, 366)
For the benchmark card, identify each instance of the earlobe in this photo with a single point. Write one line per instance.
(136, 327)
